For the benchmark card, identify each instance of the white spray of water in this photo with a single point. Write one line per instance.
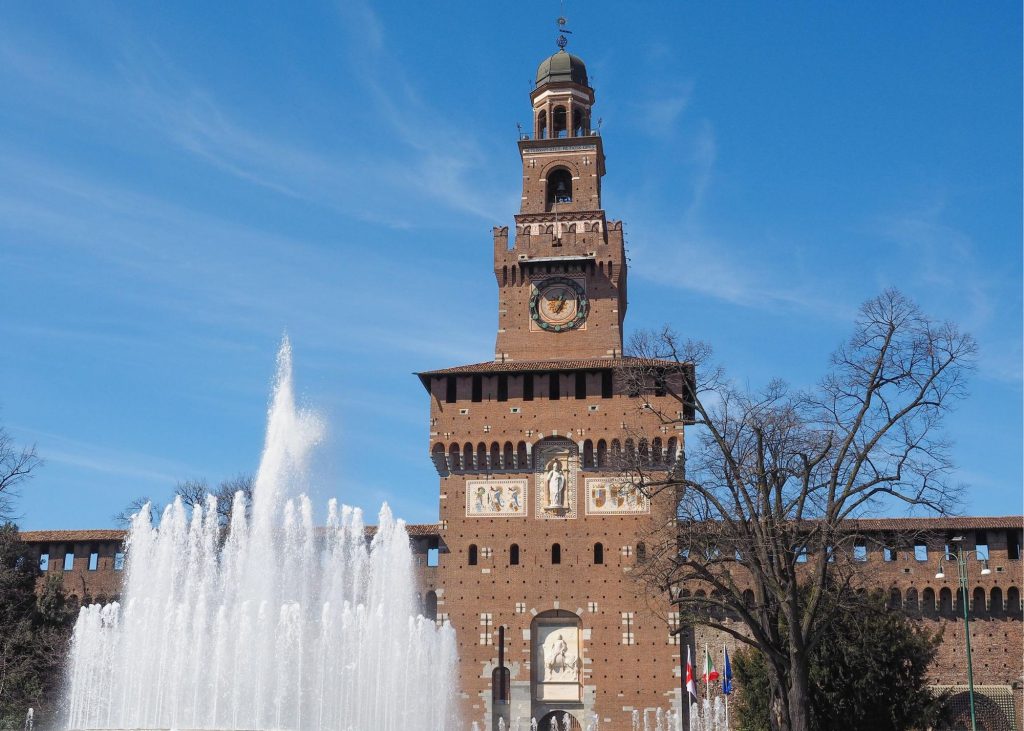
(278, 625)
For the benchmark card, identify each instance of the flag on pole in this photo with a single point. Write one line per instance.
(710, 674)
(691, 685)
(726, 673)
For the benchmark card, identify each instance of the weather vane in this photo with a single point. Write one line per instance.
(562, 30)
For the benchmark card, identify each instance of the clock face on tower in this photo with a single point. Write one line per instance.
(558, 304)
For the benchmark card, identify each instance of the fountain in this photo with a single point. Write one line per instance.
(273, 624)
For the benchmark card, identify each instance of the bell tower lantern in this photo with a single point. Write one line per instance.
(562, 273)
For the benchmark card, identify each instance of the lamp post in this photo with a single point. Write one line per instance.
(960, 557)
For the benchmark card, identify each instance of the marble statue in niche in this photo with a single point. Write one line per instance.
(555, 461)
(555, 479)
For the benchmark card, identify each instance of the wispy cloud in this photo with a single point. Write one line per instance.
(60, 449)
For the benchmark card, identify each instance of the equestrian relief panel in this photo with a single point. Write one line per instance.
(496, 498)
(560, 665)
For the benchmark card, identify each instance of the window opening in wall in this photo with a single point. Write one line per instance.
(94, 559)
(69, 560)
(528, 387)
(433, 552)
(581, 385)
(513, 555)
(478, 388)
(659, 384)
(501, 681)
(641, 552)
(553, 391)
(598, 553)
(888, 553)
(860, 552)
(556, 554)
(450, 390)
(472, 554)
(607, 381)
(44, 561)
(119, 561)
(920, 551)
(801, 555)
(1012, 545)
(502, 387)
(981, 545)
(430, 605)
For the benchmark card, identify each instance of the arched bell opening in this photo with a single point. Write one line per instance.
(559, 188)
(542, 124)
(559, 126)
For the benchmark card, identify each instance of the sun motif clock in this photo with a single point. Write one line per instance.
(559, 304)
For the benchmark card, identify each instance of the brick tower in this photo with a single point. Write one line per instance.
(539, 537)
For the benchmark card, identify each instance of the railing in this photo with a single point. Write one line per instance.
(526, 136)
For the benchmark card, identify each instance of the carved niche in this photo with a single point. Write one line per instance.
(556, 462)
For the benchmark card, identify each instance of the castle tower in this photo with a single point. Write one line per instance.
(540, 537)
(562, 286)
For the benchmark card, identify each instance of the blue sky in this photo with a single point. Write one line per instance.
(185, 182)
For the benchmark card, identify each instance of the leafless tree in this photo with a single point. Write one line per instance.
(194, 493)
(16, 466)
(773, 480)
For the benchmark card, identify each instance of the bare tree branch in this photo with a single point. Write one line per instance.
(773, 481)
(16, 467)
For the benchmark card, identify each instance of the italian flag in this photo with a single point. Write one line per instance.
(691, 685)
(710, 674)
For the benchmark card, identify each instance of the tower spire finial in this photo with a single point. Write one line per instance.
(562, 30)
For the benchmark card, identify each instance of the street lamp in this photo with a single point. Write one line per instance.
(960, 557)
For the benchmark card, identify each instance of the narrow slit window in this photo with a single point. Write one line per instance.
(69, 561)
(598, 554)
(450, 390)
(553, 386)
(472, 555)
(513, 555)
(556, 554)
(44, 561)
(528, 387)
(478, 388)
(581, 385)
(119, 561)
(606, 384)
(503, 387)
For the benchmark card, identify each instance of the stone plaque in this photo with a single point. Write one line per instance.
(615, 496)
(496, 498)
(559, 672)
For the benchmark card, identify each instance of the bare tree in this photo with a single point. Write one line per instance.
(194, 493)
(124, 517)
(772, 482)
(16, 466)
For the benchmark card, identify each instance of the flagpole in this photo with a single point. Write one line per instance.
(707, 676)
